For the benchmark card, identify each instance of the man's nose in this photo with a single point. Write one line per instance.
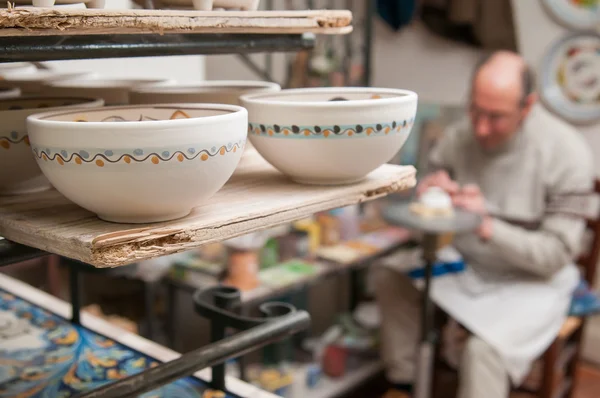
(482, 127)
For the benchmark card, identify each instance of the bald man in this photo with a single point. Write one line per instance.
(530, 177)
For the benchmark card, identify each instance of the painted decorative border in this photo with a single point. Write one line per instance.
(337, 131)
(13, 138)
(103, 156)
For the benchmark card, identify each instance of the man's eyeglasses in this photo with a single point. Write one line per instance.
(492, 117)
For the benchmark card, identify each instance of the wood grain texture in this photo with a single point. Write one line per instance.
(29, 21)
(256, 197)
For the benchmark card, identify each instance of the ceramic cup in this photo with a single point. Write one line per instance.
(140, 164)
(112, 91)
(33, 83)
(220, 92)
(19, 172)
(330, 136)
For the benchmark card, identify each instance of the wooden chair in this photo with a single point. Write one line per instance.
(558, 365)
(559, 362)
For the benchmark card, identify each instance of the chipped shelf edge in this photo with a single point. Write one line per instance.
(23, 32)
(144, 249)
(38, 22)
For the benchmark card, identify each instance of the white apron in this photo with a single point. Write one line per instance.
(519, 319)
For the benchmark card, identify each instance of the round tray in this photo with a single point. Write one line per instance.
(570, 78)
(574, 14)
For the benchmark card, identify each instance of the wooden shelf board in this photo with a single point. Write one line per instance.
(256, 197)
(30, 21)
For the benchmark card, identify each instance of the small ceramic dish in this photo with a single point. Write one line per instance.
(33, 83)
(217, 92)
(12, 68)
(330, 136)
(140, 164)
(205, 5)
(112, 91)
(6, 92)
(50, 3)
(19, 172)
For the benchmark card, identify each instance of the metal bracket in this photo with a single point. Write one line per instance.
(218, 303)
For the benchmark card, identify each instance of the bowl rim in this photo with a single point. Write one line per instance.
(109, 83)
(41, 75)
(197, 86)
(39, 119)
(85, 102)
(404, 96)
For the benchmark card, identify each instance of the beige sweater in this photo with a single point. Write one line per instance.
(538, 189)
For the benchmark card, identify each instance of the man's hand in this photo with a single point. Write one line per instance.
(439, 179)
(471, 199)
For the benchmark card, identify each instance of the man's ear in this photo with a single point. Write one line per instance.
(530, 101)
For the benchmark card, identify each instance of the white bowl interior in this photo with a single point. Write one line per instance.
(135, 114)
(324, 96)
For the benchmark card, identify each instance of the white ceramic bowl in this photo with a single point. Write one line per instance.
(218, 92)
(50, 3)
(33, 83)
(7, 92)
(205, 5)
(315, 139)
(12, 68)
(140, 164)
(19, 172)
(112, 91)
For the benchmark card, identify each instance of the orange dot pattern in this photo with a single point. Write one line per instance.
(357, 130)
(106, 157)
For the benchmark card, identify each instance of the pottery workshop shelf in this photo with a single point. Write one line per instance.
(256, 197)
(32, 34)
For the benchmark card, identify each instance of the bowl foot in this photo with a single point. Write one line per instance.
(143, 219)
(326, 181)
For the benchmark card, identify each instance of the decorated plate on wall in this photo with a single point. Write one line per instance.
(574, 14)
(570, 78)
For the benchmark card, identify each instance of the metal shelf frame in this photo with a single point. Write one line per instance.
(280, 320)
(47, 48)
(220, 305)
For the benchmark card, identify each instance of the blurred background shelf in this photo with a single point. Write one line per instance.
(329, 387)
(50, 222)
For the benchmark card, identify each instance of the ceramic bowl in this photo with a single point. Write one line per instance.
(19, 172)
(6, 92)
(12, 68)
(140, 164)
(33, 83)
(50, 3)
(205, 5)
(330, 136)
(219, 92)
(112, 91)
